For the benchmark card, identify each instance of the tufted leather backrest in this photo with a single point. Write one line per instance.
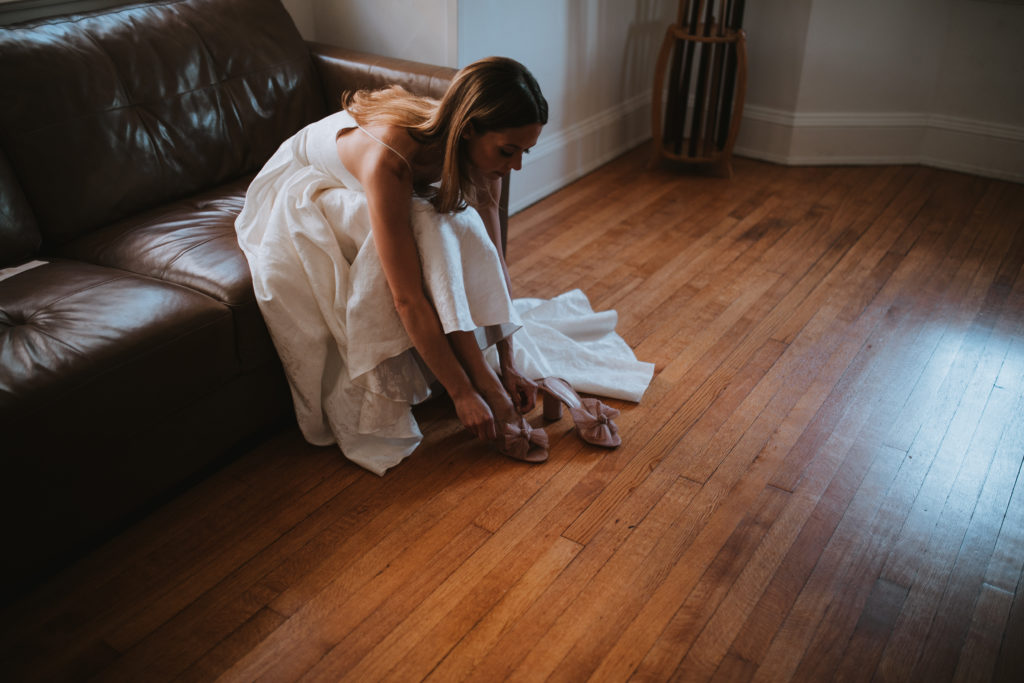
(111, 112)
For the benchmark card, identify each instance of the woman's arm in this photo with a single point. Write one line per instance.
(522, 390)
(388, 185)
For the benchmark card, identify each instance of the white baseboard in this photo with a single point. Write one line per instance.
(977, 147)
(563, 156)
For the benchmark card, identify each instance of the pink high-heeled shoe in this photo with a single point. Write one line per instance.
(593, 419)
(520, 441)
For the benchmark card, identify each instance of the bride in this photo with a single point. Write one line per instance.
(374, 244)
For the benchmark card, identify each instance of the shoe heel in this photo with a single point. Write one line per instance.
(552, 408)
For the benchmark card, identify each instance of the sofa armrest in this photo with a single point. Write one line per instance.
(341, 69)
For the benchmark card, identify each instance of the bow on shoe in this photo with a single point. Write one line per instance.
(523, 442)
(597, 427)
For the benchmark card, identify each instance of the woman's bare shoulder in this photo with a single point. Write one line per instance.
(375, 150)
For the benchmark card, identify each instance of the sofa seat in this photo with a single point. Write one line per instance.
(92, 352)
(98, 362)
(192, 243)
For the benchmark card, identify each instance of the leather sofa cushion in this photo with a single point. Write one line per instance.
(192, 243)
(112, 112)
(90, 351)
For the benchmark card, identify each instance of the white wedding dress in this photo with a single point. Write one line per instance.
(353, 373)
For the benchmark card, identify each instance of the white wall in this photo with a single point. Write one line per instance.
(594, 60)
(422, 30)
(939, 82)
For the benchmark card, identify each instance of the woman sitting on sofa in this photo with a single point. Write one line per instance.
(375, 279)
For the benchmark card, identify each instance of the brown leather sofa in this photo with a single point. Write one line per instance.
(133, 357)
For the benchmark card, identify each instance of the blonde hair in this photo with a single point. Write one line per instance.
(490, 94)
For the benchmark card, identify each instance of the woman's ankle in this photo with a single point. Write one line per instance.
(500, 402)
(482, 375)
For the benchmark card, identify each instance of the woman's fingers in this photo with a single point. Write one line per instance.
(529, 398)
(524, 394)
(489, 430)
(476, 416)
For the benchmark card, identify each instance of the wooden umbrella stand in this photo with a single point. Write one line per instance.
(699, 83)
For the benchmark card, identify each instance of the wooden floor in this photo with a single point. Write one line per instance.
(823, 482)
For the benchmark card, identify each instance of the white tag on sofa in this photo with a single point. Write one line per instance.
(10, 272)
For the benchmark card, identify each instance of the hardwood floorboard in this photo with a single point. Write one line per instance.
(532, 632)
(823, 481)
(836, 572)
(791, 554)
(817, 655)
(714, 587)
(1008, 559)
(865, 646)
(709, 516)
(754, 639)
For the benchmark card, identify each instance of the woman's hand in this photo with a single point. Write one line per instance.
(476, 416)
(523, 391)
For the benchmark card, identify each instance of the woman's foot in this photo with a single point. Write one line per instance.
(516, 438)
(500, 402)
